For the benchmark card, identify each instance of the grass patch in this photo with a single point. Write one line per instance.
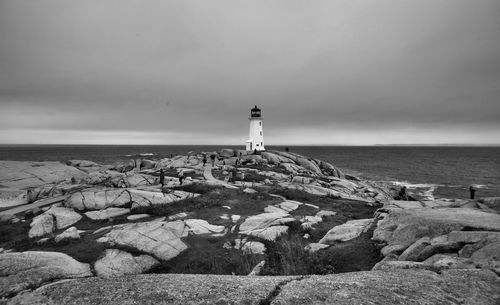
(210, 205)
(287, 256)
(207, 256)
(199, 188)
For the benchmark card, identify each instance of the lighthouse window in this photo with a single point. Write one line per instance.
(261, 144)
(261, 133)
(260, 123)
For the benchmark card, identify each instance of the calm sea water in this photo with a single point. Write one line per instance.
(440, 171)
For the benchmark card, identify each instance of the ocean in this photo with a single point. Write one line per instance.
(439, 172)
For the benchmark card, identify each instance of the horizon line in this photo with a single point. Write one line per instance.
(275, 145)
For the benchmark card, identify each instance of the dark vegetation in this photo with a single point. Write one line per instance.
(213, 202)
(206, 255)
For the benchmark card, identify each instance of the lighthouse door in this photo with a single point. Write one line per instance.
(251, 145)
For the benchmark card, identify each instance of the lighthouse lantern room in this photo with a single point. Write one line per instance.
(256, 138)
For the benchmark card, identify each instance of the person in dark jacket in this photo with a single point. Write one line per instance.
(403, 195)
(162, 177)
(472, 191)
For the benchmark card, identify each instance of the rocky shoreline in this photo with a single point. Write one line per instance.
(274, 213)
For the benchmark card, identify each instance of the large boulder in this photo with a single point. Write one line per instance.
(41, 225)
(265, 220)
(29, 270)
(21, 174)
(12, 197)
(64, 217)
(227, 153)
(329, 170)
(309, 165)
(404, 227)
(200, 227)
(346, 231)
(98, 199)
(271, 158)
(70, 233)
(158, 238)
(270, 233)
(117, 263)
(268, 226)
(143, 198)
(488, 257)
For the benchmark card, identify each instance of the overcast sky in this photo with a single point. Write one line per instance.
(354, 72)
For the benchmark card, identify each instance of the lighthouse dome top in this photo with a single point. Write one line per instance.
(255, 112)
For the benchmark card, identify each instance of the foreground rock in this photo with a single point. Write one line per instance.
(158, 238)
(53, 218)
(29, 270)
(404, 227)
(117, 263)
(395, 287)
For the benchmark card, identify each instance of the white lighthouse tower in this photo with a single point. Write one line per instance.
(256, 138)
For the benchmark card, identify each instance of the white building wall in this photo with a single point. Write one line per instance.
(256, 135)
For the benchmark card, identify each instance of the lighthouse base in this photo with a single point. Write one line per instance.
(251, 146)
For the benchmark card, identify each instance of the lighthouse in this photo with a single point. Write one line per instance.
(255, 138)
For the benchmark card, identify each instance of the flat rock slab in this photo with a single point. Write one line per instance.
(160, 239)
(29, 270)
(414, 287)
(22, 174)
(174, 289)
(394, 287)
(404, 227)
(265, 220)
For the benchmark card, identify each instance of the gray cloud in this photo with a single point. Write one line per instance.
(192, 70)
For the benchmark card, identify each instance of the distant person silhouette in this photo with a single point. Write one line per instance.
(162, 177)
(212, 158)
(402, 194)
(472, 191)
(204, 160)
(181, 177)
(287, 149)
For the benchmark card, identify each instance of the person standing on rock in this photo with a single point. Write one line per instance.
(204, 160)
(402, 194)
(234, 172)
(472, 191)
(162, 177)
(212, 158)
(181, 177)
